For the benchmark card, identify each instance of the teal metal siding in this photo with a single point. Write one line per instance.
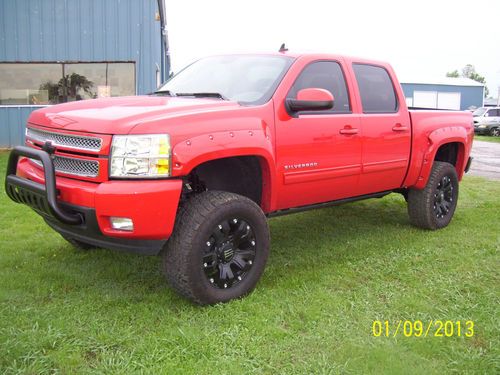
(83, 30)
(469, 95)
(12, 125)
(78, 30)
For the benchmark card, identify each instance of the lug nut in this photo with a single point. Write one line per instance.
(212, 281)
(208, 243)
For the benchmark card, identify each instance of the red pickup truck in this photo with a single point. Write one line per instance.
(193, 171)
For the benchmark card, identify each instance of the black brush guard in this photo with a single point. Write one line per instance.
(41, 198)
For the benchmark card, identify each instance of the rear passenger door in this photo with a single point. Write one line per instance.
(386, 136)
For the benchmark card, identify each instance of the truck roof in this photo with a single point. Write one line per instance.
(311, 55)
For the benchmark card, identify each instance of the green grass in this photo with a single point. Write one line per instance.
(487, 138)
(330, 274)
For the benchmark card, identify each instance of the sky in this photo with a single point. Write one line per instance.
(421, 39)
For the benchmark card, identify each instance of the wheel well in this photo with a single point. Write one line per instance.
(240, 175)
(448, 153)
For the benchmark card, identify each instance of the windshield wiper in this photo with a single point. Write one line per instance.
(164, 92)
(202, 95)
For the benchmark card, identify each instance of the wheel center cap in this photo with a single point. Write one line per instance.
(228, 254)
(227, 251)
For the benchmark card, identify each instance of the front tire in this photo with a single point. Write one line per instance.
(219, 248)
(433, 207)
(495, 132)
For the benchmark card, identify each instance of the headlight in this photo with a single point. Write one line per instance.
(140, 156)
(482, 126)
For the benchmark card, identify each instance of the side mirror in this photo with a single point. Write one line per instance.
(310, 100)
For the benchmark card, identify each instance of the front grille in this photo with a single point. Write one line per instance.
(75, 167)
(65, 140)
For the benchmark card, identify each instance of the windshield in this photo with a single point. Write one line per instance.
(248, 79)
(479, 112)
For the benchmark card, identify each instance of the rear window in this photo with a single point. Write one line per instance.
(376, 89)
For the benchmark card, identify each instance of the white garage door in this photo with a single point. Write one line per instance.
(436, 100)
(448, 100)
(425, 99)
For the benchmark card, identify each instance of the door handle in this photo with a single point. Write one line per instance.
(399, 128)
(349, 130)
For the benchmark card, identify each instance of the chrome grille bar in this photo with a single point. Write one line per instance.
(73, 166)
(76, 142)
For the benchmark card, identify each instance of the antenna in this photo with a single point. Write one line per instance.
(283, 49)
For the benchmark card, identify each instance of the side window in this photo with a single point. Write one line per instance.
(376, 89)
(493, 113)
(324, 75)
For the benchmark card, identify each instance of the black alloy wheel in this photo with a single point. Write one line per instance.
(433, 206)
(443, 197)
(229, 253)
(219, 247)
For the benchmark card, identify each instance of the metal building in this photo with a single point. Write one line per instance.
(444, 93)
(64, 50)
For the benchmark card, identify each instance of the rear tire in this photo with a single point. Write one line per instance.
(433, 207)
(219, 248)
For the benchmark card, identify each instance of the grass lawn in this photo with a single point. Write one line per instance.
(487, 138)
(331, 273)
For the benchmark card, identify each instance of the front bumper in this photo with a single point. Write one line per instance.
(90, 233)
(82, 209)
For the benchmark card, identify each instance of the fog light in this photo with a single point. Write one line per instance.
(122, 223)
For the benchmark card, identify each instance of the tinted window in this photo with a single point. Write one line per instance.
(324, 75)
(493, 113)
(52, 83)
(376, 89)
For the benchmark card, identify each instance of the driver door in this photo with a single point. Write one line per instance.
(319, 153)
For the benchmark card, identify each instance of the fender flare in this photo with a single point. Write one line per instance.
(190, 153)
(438, 138)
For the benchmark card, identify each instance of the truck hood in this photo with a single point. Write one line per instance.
(121, 115)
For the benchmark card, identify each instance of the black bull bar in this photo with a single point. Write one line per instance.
(41, 198)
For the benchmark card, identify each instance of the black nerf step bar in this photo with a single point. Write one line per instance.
(41, 198)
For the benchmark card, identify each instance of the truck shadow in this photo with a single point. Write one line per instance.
(326, 237)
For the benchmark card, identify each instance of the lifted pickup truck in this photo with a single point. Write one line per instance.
(193, 171)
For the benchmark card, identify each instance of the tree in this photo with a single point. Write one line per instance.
(68, 88)
(469, 71)
(52, 90)
(71, 84)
